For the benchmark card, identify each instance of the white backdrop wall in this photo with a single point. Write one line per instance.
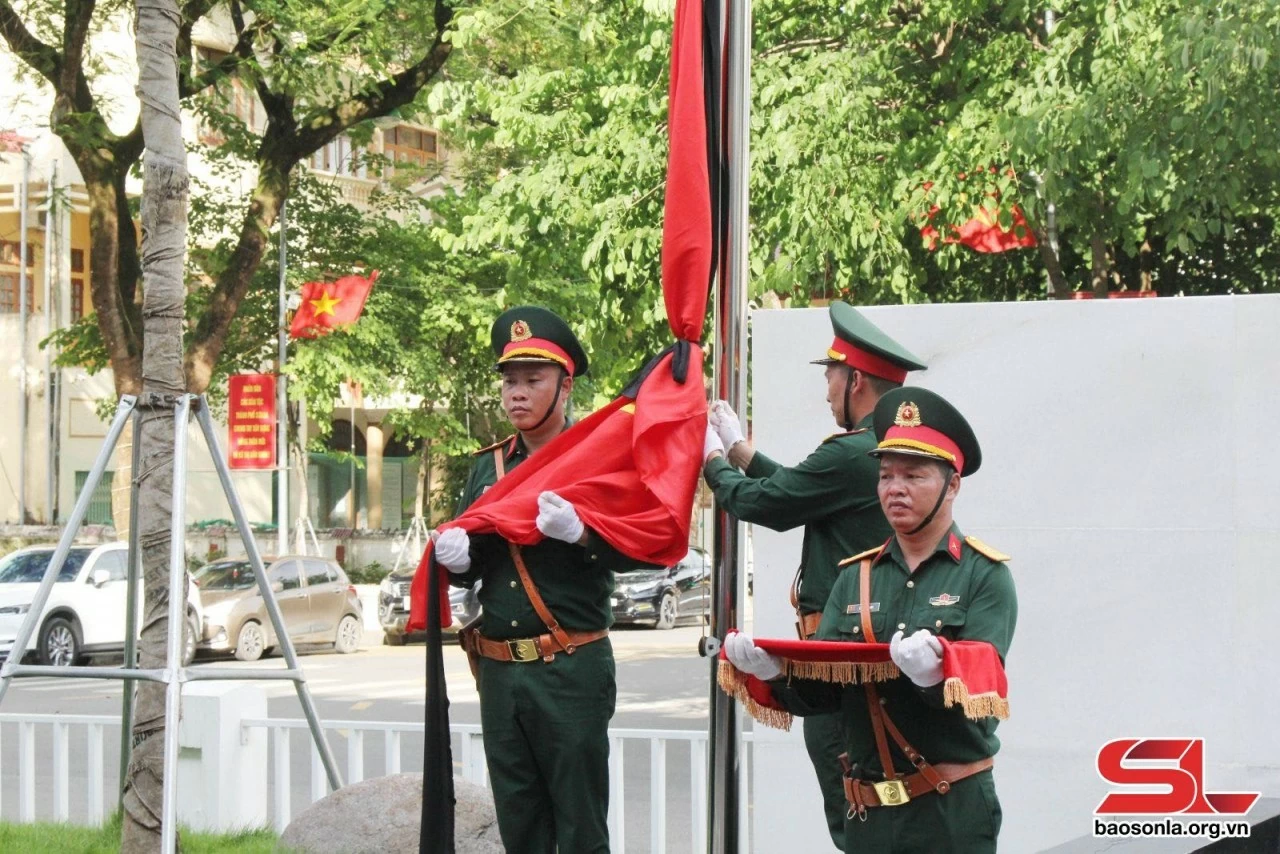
(1131, 466)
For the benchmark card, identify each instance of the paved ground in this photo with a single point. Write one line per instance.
(662, 684)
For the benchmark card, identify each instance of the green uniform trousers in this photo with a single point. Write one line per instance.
(825, 740)
(546, 742)
(966, 820)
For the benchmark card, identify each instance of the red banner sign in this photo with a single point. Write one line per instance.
(251, 421)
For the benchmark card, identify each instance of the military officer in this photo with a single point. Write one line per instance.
(832, 493)
(921, 775)
(545, 669)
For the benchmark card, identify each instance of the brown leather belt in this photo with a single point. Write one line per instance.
(863, 794)
(807, 626)
(543, 647)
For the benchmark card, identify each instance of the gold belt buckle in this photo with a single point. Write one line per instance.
(525, 649)
(892, 793)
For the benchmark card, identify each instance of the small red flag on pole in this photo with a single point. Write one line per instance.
(328, 305)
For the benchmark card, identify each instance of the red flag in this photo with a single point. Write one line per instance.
(328, 305)
(981, 233)
(631, 469)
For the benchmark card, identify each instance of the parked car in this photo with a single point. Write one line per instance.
(664, 596)
(393, 608)
(317, 602)
(85, 613)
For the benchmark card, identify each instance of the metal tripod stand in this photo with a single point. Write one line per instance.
(173, 675)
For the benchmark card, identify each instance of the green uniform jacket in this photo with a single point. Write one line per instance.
(574, 581)
(960, 592)
(832, 493)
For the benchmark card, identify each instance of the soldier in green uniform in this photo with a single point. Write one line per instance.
(921, 775)
(832, 493)
(545, 664)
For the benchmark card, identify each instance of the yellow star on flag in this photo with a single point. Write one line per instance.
(325, 304)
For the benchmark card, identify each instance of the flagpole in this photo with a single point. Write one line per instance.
(282, 402)
(726, 833)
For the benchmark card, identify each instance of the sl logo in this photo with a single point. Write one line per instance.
(1174, 763)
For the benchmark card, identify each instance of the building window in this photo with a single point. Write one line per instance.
(340, 157)
(78, 292)
(404, 144)
(235, 95)
(10, 296)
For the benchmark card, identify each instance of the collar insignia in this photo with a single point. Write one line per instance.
(520, 331)
(908, 415)
(943, 600)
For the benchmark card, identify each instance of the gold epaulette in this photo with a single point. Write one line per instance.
(872, 552)
(846, 433)
(487, 448)
(983, 549)
(630, 409)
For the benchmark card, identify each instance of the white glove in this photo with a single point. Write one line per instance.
(726, 424)
(453, 550)
(919, 656)
(751, 659)
(557, 518)
(711, 444)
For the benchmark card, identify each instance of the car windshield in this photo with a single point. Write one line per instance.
(29, 567)
(641, 576)
(226, 575)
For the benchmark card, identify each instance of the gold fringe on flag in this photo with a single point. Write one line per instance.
(842, 672)
(976, 706)
(733, 683)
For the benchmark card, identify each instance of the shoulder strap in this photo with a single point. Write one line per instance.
(499, 461)
(544, 613)
(864, 600)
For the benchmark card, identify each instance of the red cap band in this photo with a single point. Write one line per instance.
(923, 439)
(842, 351)
(537, 348)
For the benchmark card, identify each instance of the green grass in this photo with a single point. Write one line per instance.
(74, 839)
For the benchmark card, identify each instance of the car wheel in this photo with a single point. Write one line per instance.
(189, 638)
(668, 612)
(59, 642)
(251, 643)
(389, 639)
(348, 639)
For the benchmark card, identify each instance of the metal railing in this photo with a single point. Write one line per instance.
(383, 747)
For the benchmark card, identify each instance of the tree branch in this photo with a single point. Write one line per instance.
(40, 56)
(803, 44)
(78, 17)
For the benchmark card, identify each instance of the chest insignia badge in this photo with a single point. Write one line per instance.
(856, 608)
(943, 599)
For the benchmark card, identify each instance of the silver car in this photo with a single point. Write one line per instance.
(317, 602)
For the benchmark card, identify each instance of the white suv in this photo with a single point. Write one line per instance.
(85, 613)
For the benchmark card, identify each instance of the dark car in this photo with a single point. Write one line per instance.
(393, 609)
(664, 596)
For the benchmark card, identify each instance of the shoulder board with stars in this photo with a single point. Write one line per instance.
(487, 448)
(871, 552)
(985, 550)
(835, 436)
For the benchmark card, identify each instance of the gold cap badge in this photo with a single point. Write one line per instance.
(520, 331)
(908, 415)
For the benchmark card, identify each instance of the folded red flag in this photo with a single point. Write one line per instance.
(625, 468)
(973, 676)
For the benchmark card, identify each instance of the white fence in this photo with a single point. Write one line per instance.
(658, 807)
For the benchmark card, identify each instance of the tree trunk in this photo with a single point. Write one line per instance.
(164, 235)
(1058, 288)
(1099, 280)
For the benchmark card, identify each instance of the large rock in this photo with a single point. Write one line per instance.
(382, 815)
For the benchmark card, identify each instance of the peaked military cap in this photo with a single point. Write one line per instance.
(529, 333)
(920, 423)
(860, 344)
